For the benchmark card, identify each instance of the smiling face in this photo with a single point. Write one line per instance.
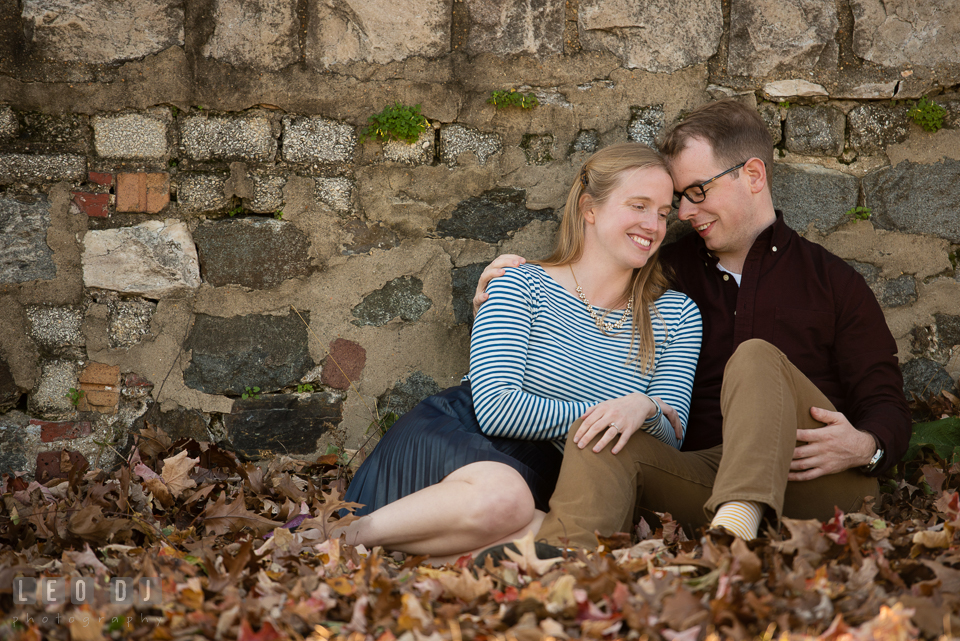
(628, 227)
(727, 219)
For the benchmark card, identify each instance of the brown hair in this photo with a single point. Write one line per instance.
(599, 176)
(735, 132)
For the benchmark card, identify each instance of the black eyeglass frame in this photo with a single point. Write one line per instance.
(677, 195)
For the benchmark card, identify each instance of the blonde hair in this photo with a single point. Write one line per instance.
(599, 176)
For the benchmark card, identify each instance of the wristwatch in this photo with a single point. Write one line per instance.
(875, 459)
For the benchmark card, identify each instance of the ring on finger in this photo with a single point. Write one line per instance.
(614, 426)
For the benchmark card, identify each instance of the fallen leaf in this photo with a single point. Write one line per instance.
(176, 473)
(527, 559)
(267, 632)
(934, 539)
(160, 491)
(324, 521)
(90, 524)
(223, 517)
(144, 472)
(750, 566)
(892, 624)
(682, 610)
(87, 559)
(413, 616)
(462, 585)
(806, 538)
(152, 441)
(935, 478)
(83, 626)
(949, 505)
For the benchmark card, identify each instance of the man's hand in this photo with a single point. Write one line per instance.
(491, 271)
(833, 448)
(672, 416)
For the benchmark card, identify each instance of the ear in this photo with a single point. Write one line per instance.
(586, 208)
(756, 173)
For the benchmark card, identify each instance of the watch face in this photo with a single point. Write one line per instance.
(869, 467)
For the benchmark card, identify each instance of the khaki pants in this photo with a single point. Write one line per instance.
(764, 400)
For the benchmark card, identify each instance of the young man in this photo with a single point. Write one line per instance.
(797, 401)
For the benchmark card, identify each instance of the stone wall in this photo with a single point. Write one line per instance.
(188, 215)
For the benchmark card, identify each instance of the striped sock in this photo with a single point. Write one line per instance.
(740, 518)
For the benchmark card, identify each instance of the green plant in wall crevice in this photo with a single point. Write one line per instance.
(396, 122)
(501, 98)
(74, 395)
(928, 114)
(859, 213)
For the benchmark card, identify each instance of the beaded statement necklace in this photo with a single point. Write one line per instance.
(603, 326)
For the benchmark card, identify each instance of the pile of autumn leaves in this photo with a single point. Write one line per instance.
(242, 552)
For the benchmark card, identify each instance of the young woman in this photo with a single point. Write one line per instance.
(591, 332)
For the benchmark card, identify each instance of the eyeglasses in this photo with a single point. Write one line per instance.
(696, 193)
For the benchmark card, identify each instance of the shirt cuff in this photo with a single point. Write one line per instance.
(655, 419)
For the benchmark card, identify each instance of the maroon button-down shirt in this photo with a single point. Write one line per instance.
(811, 305)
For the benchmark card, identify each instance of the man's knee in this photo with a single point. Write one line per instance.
(754, 350)
(756, 364)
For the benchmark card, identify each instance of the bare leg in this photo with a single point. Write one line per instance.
(472, 508)
(532, 526)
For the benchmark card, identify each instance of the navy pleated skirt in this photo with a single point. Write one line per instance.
(437, 437)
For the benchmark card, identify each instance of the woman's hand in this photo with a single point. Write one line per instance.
(620, 416)
(672, 416)
(491, 271)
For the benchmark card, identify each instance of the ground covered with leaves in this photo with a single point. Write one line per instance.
(242, 552)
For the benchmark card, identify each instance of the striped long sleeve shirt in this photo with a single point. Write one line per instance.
(538, 361)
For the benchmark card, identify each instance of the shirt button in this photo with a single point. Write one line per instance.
(774, 248)
(726, 277)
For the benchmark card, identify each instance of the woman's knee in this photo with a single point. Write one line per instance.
(501, 505)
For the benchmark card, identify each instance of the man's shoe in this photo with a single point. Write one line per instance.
(498, 553)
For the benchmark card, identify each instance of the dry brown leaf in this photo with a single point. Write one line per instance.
(932, 539)
(949, 578)
(751, 567)
(223, 517)
(527, 558)
(254, 475)
(160, 491)
(144, 472)
(892, 624)
(464, 585)
(325, 521)
(806, 538)
(682, 610)
(80, 628)
(176, 473)
(153, 441)
(202, 493)
(86, 559)
(935, 478)
(413, 616)
(949, 505)
(289, 488)
(90, 524)
(560, 598)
